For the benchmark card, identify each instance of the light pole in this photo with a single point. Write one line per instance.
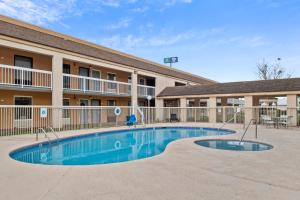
(148, 114)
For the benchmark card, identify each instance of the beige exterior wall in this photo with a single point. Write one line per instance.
(38, 98)
(162, 83)
(120, 75)
(40, 61)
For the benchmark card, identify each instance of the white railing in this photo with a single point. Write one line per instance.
(25, 77)
(88, 84)
(15, 120)
(144, 91)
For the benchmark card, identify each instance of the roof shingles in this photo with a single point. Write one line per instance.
(278, 85)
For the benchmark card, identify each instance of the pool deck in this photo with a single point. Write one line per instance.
(185, 171)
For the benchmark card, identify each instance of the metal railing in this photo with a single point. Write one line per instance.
(16, 120)
(25, 77)
(95, 85)
(144, 91)
(247, 128)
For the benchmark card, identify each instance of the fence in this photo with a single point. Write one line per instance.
(16, 120)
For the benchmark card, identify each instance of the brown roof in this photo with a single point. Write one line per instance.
(278, 85)
(20, 30)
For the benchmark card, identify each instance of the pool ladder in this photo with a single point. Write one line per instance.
(247, 128)
(46, 134)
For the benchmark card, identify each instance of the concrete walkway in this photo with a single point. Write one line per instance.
(184, 171)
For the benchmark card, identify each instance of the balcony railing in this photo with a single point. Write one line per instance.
(144, 91)
(94, 85)
(13, 76)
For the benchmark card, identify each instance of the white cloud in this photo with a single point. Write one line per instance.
(140, 9)
(173, 2)
(34, 11)
(203, 39)
(42, 12)
(112, 3)
(162, 39)
(123, 23)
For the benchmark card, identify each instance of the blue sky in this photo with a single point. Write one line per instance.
(219, 39)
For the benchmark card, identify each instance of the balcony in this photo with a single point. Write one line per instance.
(144, 91)
(81, 84)
(24, 78)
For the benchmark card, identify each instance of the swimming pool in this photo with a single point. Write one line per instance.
(109, 147)
(234, 145)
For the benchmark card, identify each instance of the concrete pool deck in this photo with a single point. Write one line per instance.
(183, 171)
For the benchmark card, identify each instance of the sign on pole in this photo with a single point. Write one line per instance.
(171, 60)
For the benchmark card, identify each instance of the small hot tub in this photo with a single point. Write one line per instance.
(234, 145)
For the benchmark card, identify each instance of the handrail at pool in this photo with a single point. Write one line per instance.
(252, 120)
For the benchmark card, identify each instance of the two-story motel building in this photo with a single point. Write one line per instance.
(42, 67)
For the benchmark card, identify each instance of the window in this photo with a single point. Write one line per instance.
(111, 102)
(84, 102)
(129, 86)
(23, 112)
(129, 79)
(111, 117)
(66, 69)
(142, 81)
(66, 102)
(179, 84)
(96, 84)
(84, 83)
(95, 102)
(24, 78)
(111, 77)
(112, 87)
(66, 112)
(66, 79)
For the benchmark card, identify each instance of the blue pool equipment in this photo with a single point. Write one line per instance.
(131, 120)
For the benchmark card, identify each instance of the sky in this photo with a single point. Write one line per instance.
(223, 40)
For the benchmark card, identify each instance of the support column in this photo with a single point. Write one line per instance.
(57, 89)
(134, 92)
(212, 109)
(292, 108)
(224, 104)
(159, 112)
(248, 109)
(183, 109)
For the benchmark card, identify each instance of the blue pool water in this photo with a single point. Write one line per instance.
(234, 145)
(109, 147)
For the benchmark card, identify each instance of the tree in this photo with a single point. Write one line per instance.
(268, 71)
